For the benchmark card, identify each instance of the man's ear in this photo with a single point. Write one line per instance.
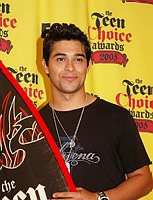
(45, 66)
(88, 67)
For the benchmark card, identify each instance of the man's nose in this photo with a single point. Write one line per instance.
(69, 65)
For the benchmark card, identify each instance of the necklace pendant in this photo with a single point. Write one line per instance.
(72, 144)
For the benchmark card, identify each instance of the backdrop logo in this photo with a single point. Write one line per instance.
(24, 77)
(139, 1)
(108, 37)
(6, 24)
(138, 98)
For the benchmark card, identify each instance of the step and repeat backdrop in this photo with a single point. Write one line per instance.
(121, 36)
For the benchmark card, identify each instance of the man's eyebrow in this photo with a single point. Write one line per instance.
(80, 54)
(64, 54)
(59, 54)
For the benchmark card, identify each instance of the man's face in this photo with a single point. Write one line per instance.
(67, 67)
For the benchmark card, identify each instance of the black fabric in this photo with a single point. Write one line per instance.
(108, 145)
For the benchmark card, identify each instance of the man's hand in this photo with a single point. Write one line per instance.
(80, 194)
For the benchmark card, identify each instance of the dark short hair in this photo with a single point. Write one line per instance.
(64, 31)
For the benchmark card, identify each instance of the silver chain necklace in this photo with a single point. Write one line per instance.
(71, 141)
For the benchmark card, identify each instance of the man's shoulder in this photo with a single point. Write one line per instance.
(44, 108)
(111, 106)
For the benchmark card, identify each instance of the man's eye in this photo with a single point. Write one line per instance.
(60, 59)
(79, 59)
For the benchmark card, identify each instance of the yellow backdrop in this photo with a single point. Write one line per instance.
(121, 39)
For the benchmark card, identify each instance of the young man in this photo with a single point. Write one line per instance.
(98, 140)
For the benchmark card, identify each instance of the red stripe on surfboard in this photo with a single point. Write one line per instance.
(42, 125)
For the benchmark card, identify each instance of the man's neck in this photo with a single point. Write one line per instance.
(71, 102)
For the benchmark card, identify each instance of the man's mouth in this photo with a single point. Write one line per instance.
(70, 78)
